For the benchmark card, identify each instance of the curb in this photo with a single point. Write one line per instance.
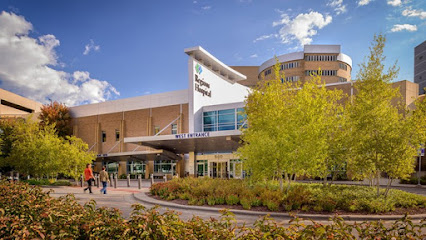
(149, 200)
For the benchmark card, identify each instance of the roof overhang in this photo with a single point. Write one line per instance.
(208, 60)
(221, 141)
(140, 155)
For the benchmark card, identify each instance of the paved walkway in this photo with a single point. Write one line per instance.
(124, 198)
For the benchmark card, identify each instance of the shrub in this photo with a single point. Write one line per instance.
(220, 200)
(232, 199)
(26, 212)
(300, 196)
(211, 200)
(246, 203)
(48, 182)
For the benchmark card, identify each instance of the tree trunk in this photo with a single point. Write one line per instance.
(388, 186)
(288, 182)
(281, 182)
(378, 183)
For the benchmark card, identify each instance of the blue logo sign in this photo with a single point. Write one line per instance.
(198, 68)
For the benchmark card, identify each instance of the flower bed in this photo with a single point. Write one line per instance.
(26, 212)
(301, 196)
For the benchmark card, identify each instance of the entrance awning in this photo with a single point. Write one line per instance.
(141, 155)
(221, 141)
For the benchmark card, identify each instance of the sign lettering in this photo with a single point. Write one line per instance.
(192, 135)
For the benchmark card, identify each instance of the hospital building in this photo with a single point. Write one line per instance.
(195, 132)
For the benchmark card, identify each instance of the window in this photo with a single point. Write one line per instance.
(226, 119)
(289, 65)
(210, 121)
(117, 135)
(343, 66)
(322, 58)
(323, 72)
(174, 128)
(156, 129)
(165, 166)
(267, 72)
(291, 79)
(342, 79)
(222, 120)
(110, 167)
(103, 136)
(136, 167)
(241, 118)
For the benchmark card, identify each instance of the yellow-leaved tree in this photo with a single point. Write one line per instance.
(383, 137)
(290, 127)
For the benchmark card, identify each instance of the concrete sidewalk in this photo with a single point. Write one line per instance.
(124, 198)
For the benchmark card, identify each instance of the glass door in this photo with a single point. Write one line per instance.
(236, 168)
(219, 169)
(202, 168)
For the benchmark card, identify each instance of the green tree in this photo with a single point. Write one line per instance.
(381, 132)
(58, 114)
(75, 156)
(288, 128)
(40, 152)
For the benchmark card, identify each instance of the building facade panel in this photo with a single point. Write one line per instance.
(420, 66)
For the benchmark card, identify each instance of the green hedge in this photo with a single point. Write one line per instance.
(301, 196)
(26, 212)
(414, 180)
(50, 182)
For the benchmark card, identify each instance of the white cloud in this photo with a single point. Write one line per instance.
(26, 67)
(253, 56)
(394, 3)
(409, 12)
(364, 2)
(91, 46)
(264, 37)
(206, 7)
(402, 27)
(338, 6)
(302, 28)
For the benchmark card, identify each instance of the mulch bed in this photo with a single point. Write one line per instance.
(398, 211)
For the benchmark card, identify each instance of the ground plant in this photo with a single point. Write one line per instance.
(48, 182)
(301, 196)
(26, 212)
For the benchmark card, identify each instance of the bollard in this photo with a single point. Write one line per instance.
(152, 179)
(17, 177)
(97, 180)
(111, 178)
(115, 180)
(139, 181)
(165, 178)
(128, 180)
(81, 180)
(28, 177)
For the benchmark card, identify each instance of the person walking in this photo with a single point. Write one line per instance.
(88, 176)
(103, 177)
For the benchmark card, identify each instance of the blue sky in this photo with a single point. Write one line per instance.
(90, 51)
